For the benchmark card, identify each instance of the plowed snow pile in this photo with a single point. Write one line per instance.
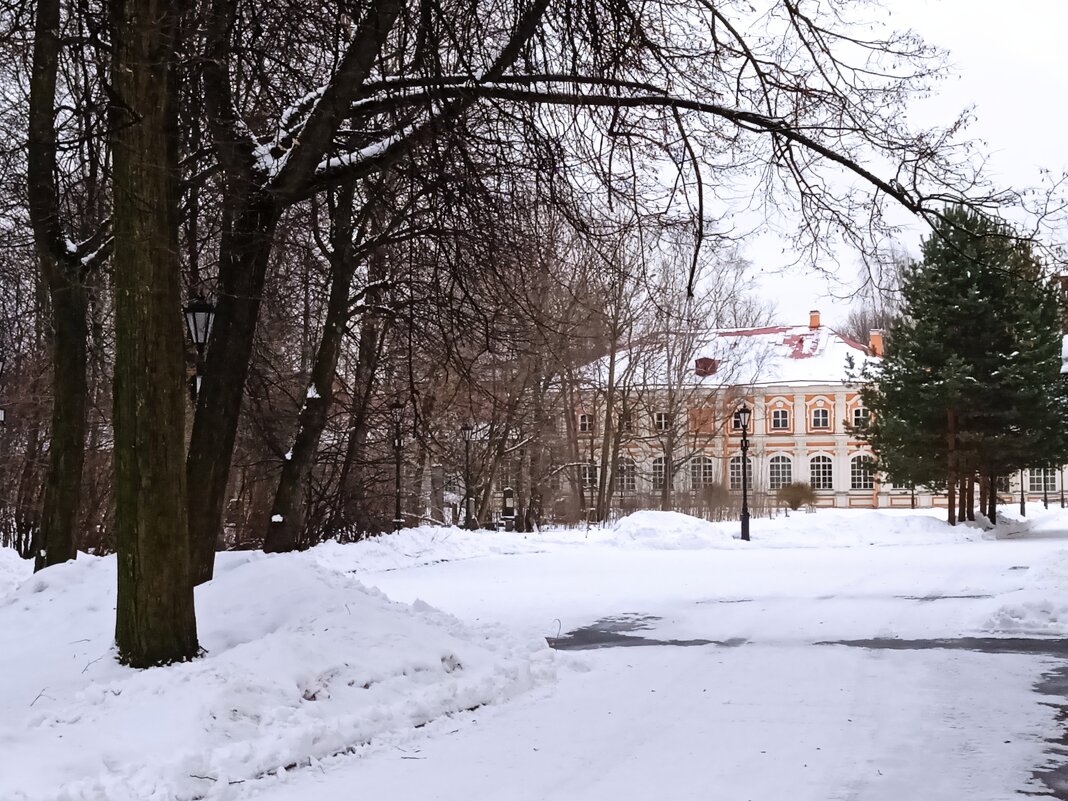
(302, 662)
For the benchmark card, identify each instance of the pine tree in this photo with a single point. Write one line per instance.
(972, 386)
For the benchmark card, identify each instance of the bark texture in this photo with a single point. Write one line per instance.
(155, 621)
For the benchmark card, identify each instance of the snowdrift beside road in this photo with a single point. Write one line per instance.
(302, 662)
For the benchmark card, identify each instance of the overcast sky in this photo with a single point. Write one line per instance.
(1011, 63)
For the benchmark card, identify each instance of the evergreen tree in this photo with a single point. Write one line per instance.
(972, 385)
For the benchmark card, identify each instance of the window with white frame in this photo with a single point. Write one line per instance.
(702, 472)
(780, 472)
(821, 473)
(628, 481)
(780, 419)
(860, 417)
(862, 473)
(659, 473)
(585, 423)
(1035, 477)
(821, 418)
(735, 472)
(662, 421)
(588, 474)
(626, 422)
(736, 421)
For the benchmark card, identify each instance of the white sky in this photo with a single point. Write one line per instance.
(1011, 63)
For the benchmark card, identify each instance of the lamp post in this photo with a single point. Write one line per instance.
(591, 480)
(1045, 487)
(743, 419)
(467, 431)
(398, 445)
(1023, 504)
(199, 315)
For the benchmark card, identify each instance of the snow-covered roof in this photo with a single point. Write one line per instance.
(791, 355)
(769, 356)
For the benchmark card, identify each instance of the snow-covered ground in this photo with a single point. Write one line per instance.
(740, 681)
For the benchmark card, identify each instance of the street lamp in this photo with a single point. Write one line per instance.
(744, 414)
(1023, 504)
(1045, 487)
(467, 431)
(199, 315)
(398, 444)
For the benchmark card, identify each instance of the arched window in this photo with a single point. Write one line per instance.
(780, 472)
(821, 474)
(702, 472)
(735, 468)
(659, 473)
(862, 473)
(585, 423)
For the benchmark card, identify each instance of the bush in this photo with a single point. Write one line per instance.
(795, 495)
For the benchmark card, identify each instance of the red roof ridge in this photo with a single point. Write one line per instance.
(753, 332)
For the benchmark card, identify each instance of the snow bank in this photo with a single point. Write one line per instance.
(1040, 602)
(655, 530)
(846, 528)
(668, 530)
(13, 569)
(424, 545)
(1032, 618)
(302, 662)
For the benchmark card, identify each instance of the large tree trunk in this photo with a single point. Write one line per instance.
(62, 271)
(155, 620)
(66, 454)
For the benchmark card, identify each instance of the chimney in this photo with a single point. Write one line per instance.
(875, 342)
(814, 319)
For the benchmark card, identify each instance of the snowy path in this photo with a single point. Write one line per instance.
(776, 717)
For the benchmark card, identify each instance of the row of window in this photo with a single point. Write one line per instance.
(820, 418)
(780, 420)
(780, 473)
(662, 421)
